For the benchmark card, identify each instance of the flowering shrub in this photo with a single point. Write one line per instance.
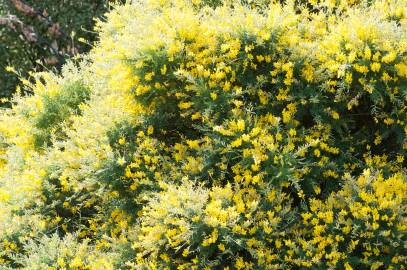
(201, 135)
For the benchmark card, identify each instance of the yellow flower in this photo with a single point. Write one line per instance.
(236, 143)
(61, 262)
(185, 105)
(240, 125)
(194, 144)
(368, 53)
(76, 263)
(239, 263)
(390, 57)
(150, 130)
(121, 161)
(164, 70)
(149, 76)
(122, 140)
(375, 67)
(185, 252)
(211, 239)
(308, 72)
(335, 115)
(10, 69)
(361, 68)
(221, 247)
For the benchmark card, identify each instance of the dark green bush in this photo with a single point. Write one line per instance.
(41, 35)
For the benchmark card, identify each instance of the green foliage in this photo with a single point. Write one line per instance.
(41, 35)
(57, 109)
(52, 252)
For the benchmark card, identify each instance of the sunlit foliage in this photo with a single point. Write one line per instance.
(203, 135)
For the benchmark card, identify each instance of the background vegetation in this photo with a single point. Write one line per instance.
(41, 35)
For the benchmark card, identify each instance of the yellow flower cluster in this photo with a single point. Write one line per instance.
(215, 135)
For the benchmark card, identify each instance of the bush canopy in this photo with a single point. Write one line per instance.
(203, 135)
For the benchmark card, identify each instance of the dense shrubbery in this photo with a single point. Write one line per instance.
(254, 136)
